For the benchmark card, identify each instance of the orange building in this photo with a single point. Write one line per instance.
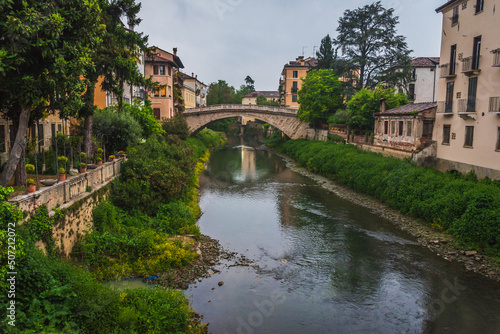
(162, 67)
(291, 80)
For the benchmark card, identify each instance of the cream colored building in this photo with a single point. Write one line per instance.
(252, 97)
(291, 80)
(424, 80)
(467, 128)
(194, 91)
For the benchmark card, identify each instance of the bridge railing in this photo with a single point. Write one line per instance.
(242, 107)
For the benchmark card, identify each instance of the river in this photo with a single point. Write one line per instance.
(321, 263)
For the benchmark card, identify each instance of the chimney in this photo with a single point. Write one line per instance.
(196, 77)
(192, 74)
(175, 51)
(382, 105)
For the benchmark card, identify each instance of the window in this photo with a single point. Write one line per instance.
(414, 74)
(393, 127)
(162, 70)
(53, 130)
(479, 6)
(453, 59)
(449, 96)
(294, 98)
(157, 113)
(157, 92)
(155, 69)
(59, 128)
(386, 127)
(454, 18)
(409, 128)
(2, 138)
(401, 128)
(295, 74)
(476, 53)
(169, 89)
(169, 70)
(41, 135)
(469, 136)
(498, 139)
(446, 134)
(163, 91)
(428, 127)
(471, 97)
(294, 87)
(411, 92)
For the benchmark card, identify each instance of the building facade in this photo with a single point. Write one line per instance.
(252, 97)
(467, 127)
(291, 80)
(424, 80)
(162, 67)
(194, 91)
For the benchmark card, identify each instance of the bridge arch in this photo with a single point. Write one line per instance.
(285, 120)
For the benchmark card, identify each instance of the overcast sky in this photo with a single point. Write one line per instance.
(230, 39)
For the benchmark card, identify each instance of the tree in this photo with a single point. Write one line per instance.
(367, 38)
(220, 93)
(263, 101)
(115, 60)
(250, 83)
(320, 96)
(44, 53)
(325, 54)
(366, 102)
(238, 95)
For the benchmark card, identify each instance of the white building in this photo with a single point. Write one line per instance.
(424, 80)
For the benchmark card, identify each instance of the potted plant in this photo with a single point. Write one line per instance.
(83, 167)
(99, 162)
(31, 185)
(112, 157)
(99, 156)
(62, 174)
(62, 161)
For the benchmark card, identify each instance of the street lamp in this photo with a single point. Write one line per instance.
(104, 146)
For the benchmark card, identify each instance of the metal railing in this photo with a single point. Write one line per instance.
(496, 57)
(470, 64)
(466, 105)
(495, 104)
(294, 90)
(446, 70)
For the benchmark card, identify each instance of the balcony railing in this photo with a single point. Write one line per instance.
(445, 107)
(466, 106)
(496, 57)
(447, 71)
(495, 104)
(470, 65)
(294, 90)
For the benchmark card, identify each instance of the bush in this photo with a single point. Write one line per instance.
(30, 169)
(121, 129)
(177, 126)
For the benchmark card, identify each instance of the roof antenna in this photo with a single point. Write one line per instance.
(303, 50)
(314, 50)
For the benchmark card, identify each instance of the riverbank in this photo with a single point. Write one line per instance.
(443, 244)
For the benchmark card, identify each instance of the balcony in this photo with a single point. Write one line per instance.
(495, 105)
(445, 108)
(467, 108)
(294, 90)
(496, 57)
(447, 71)
(470, 65)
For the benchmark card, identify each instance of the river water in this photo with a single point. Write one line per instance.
(321, 263)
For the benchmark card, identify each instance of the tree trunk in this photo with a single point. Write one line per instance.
(87, 134)
(18, 148)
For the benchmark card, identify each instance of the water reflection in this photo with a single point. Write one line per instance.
(325, 265)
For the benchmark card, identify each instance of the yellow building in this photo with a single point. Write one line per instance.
(194, 91)
(252, 97)
(467, 128)
(291, 80)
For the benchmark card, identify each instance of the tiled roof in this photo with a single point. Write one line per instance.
(159, 59)
(425, 62)
(309, 62)
(440, 8)
(267, 94)
(413, 108)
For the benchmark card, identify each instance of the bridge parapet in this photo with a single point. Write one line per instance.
(241, 107)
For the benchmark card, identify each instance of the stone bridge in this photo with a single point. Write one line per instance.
(285, 120)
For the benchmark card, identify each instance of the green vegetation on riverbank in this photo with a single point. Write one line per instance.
(466, 208)
(154, 199)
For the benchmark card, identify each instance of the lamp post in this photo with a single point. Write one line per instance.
(104, 146)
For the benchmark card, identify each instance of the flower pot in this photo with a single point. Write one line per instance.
(99, 163)
(31, 188)
(62, 177)
(83, 170)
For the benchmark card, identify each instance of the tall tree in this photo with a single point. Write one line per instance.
(250, 83)
(45, 47)
(220, 93)
(367, 38)
(116, 59)
(320, 96)
(326, 53)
